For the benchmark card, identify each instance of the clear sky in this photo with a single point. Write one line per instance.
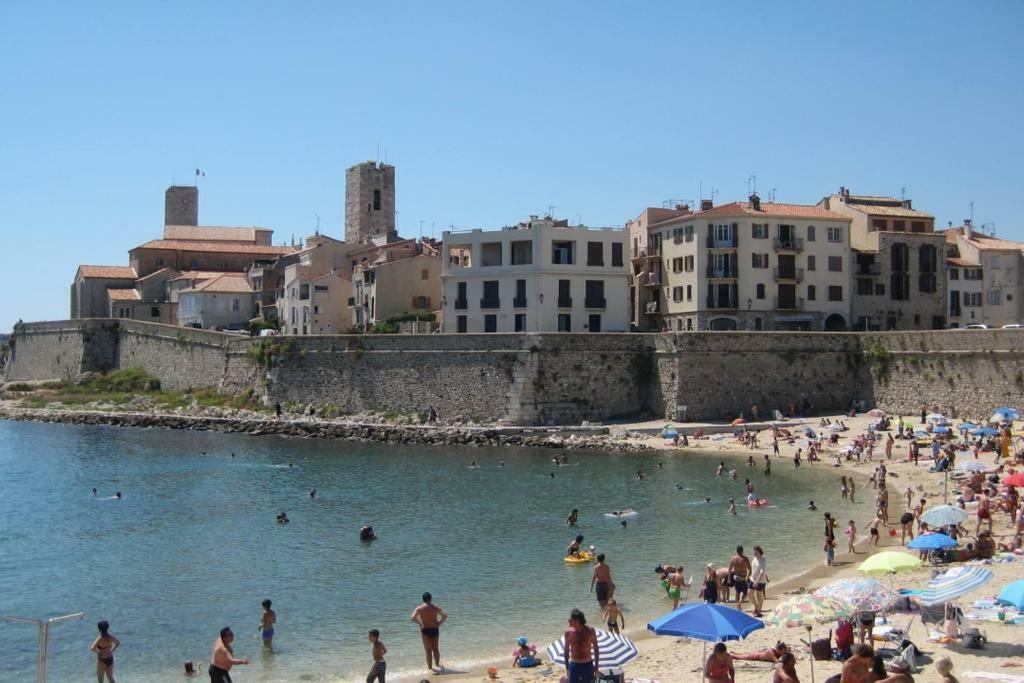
(490, 111)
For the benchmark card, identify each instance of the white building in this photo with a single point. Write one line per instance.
(225, 301)
(538, 276)
(985, 278)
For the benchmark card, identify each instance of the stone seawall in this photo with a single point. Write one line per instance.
(542, 379)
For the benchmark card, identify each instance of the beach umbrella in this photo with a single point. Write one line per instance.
(964, 426)
(616, 650)
(940, 429)
(809, 432)
(953, 584)
(922, 433)
(876, 412)
(706, 622)
(931, 542)
(1005, 413)
(803, 611)
(889, 562)
(739, 421)
(935, 417)
(862, 593)
(985, 431)
(943, 515)
(1015, 479)
(1013, 594)
(669, 432)
(972, 466)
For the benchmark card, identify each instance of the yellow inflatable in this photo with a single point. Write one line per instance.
(585, 557)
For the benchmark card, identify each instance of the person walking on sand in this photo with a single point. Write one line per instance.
(582, 657)
(601, 582)
(379, 669)
(739, 570)
(104, 647)
(613, 616)
(430, 618)
(759, 580)
(851, 487)
(873, 529)
(223, 657)
(984, 511)
(851, 537)
(267, 621)
(676, 584)
(889, 441)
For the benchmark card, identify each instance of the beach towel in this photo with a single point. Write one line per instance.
(990, 676)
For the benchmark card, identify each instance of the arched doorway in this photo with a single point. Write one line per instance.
(835, 323)
(721, 324)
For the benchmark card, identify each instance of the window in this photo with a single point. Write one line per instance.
(159, 262)
(688, 233)
(616, 254)
(154, 312)
(835, 293)
(879, 289)
(899, 257)
(460, 297)
(490, 299)
(835, 234)
(723, 232)
(490, 254)
(760, 231)
(927, 283)
(316, 310)
(235, 304)
(490, 323)
(835, 264)
(954, 273)
(758, 324)
(564, 294)
(522, 253)
(376, 200)
(520, 322)
(424, 274)
(520, 300)
(760, 291)
(811, 263)
(460, 324)
(564, 322)
(926, 258)
(594, 297)
(865, 287)
(595, 253)
(812, 233)
(561, 253)
(688, 264)
(899, 226)
(916, 226)
(594, 322)
(759, 260)
(878, 224)
(972, 298)
(899, 287)
(812, 293)
(689, 292)
(994, 297)
(677, 294)
(677, 264)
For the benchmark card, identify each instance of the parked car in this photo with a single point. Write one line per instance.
(1013, 326)
(976, 326)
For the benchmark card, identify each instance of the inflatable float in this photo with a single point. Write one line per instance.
(585, 557)
(619, 515)
(760, 502)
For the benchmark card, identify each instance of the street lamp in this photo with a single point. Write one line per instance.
(42, 658)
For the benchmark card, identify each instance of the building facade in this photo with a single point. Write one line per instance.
(394, 279)
(370, 203)
(984, 278)
(224, 302)
(538, 276)
(741, 266)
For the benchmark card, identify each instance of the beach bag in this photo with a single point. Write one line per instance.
(821, 649)
(972, 639)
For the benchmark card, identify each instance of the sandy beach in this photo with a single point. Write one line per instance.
(673, 659)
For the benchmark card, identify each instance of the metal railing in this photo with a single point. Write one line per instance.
(595, 303)
(565, 302)
(490, 303)
(788, 244)
(789, 304)
(713, 272)
(789, 274)
(43, 654)
(519, 302)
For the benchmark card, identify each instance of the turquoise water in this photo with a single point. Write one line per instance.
(194, 545)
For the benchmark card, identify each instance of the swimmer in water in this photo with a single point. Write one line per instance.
(661, 465)
(367, 533)
(473, 465)
(721, 468)
(232, 455)
(312, 494)
(679, 487)
(732, 475)
(732, 506)
(554, 461)
(282, 518)
(623, 524)
(707, 500)
(501, 463)
(812, 507)
(118, 495)
(290, 465)
(565, 459)
(204, 452)
(639, 475)
(552, 475)
(572, 518)
(94, 491)
(750, 461)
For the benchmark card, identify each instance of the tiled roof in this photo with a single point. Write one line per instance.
(163, 272)
(768, 209)
(123, 295)
(227, 284)
(962, 262)
(334, 274)
(223, 247)
(891, 211)
(126, 272)
(202, 274)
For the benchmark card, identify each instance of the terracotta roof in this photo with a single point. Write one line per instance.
(962, 262)
(126, 272)
(157, 273)
(334, 274)
(891, 211)
(768, 209)
(389, 245)
(223, 247)
(202, 274)
(983, 241)
(123, 295)
(227, 283)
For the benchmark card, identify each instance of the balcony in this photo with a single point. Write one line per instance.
(565, 302)
(720, 273)
(788, 244)
(652, 306)
(461, 304)
(789, 304)
(490, 303)
(594, 302)
(789, 274)
(654, 281)
(650, 251)
(723, 303)
(869, 269)
(731, 243)
(519, 302)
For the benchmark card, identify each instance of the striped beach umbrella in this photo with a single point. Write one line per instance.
(808, 609)
(953, 584)
(862, 593)
(616, 650)
(943, 515)
(972, 466)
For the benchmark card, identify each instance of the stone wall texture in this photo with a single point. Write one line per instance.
(544, 379)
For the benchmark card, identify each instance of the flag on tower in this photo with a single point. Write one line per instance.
(200, 173)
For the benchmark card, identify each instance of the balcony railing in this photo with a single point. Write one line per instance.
(652, 306)
(519, 302)
(594, 302)
(788, 244)
(722, 272)
(461, 304)
(954, 311)
(789, 304)
(725, 302)
(648, 252)
(712, 243)
(796, 274)
(490, 303)
(869, 269)
(565, 302)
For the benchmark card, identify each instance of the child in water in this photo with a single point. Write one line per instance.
(851, 534)
(612, 616)
(732, 506)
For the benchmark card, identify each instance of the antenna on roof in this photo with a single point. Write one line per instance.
(903, 193)
(751, 184)
(972, 213)
(317, 224)
(771, 195)
(551, 210)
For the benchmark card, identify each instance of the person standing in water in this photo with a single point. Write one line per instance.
(380, 667)
(104, 647)
(223, 657)
(601, 582)
(676, 584)
(267, 621)
(572, 518)
(430, 618)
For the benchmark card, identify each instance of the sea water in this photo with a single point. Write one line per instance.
(194, 546)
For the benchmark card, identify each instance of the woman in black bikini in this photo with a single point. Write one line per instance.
(104, 647)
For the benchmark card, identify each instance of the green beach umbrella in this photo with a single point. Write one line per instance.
(889, 562)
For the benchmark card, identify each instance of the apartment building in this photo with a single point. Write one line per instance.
(538, 276)
(741, 266)
(984, 278)
(395, 278)
(225, 302)
(315, 287)
(899, 281)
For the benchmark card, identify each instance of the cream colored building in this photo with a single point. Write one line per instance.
(899, 279)
(538, 276)
(984, 277)
(316, 288)
(396, 278)
(741, 266)
(226, 301)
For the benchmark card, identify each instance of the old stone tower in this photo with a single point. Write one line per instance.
(370, 203)
(181, 205)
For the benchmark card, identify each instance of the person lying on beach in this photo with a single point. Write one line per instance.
(785, 670)
(769, 654)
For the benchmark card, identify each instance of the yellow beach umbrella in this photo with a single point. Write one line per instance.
(889, 562)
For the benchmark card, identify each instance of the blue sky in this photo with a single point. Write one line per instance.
(490, 111)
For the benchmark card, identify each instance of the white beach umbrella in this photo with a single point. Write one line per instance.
(616, 650)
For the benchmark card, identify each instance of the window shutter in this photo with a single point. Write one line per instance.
(753, 260)
(733, 295)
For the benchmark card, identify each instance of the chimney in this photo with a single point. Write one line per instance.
(846, 193)
(706, 204)
(968, 229)
(181, 205)
(684, 208)
(906, 204)
(755, 202)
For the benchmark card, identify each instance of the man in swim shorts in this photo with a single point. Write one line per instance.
(223, 658)
(739, 569)
(430, 617)
(676, 584)
(601, 582)
(267, 621)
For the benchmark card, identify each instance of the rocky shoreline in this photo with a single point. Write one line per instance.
(584, 437)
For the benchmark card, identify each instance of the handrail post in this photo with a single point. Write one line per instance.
(43, 638)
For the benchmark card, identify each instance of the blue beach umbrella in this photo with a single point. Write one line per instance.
(669, 432)
(941, 429)
(931, 542)
(707, 622)
(616, 650)
(953, 584)
(1013, 594)
(1006, 413)
(943, 515)
(964, 426)
(985, 431)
